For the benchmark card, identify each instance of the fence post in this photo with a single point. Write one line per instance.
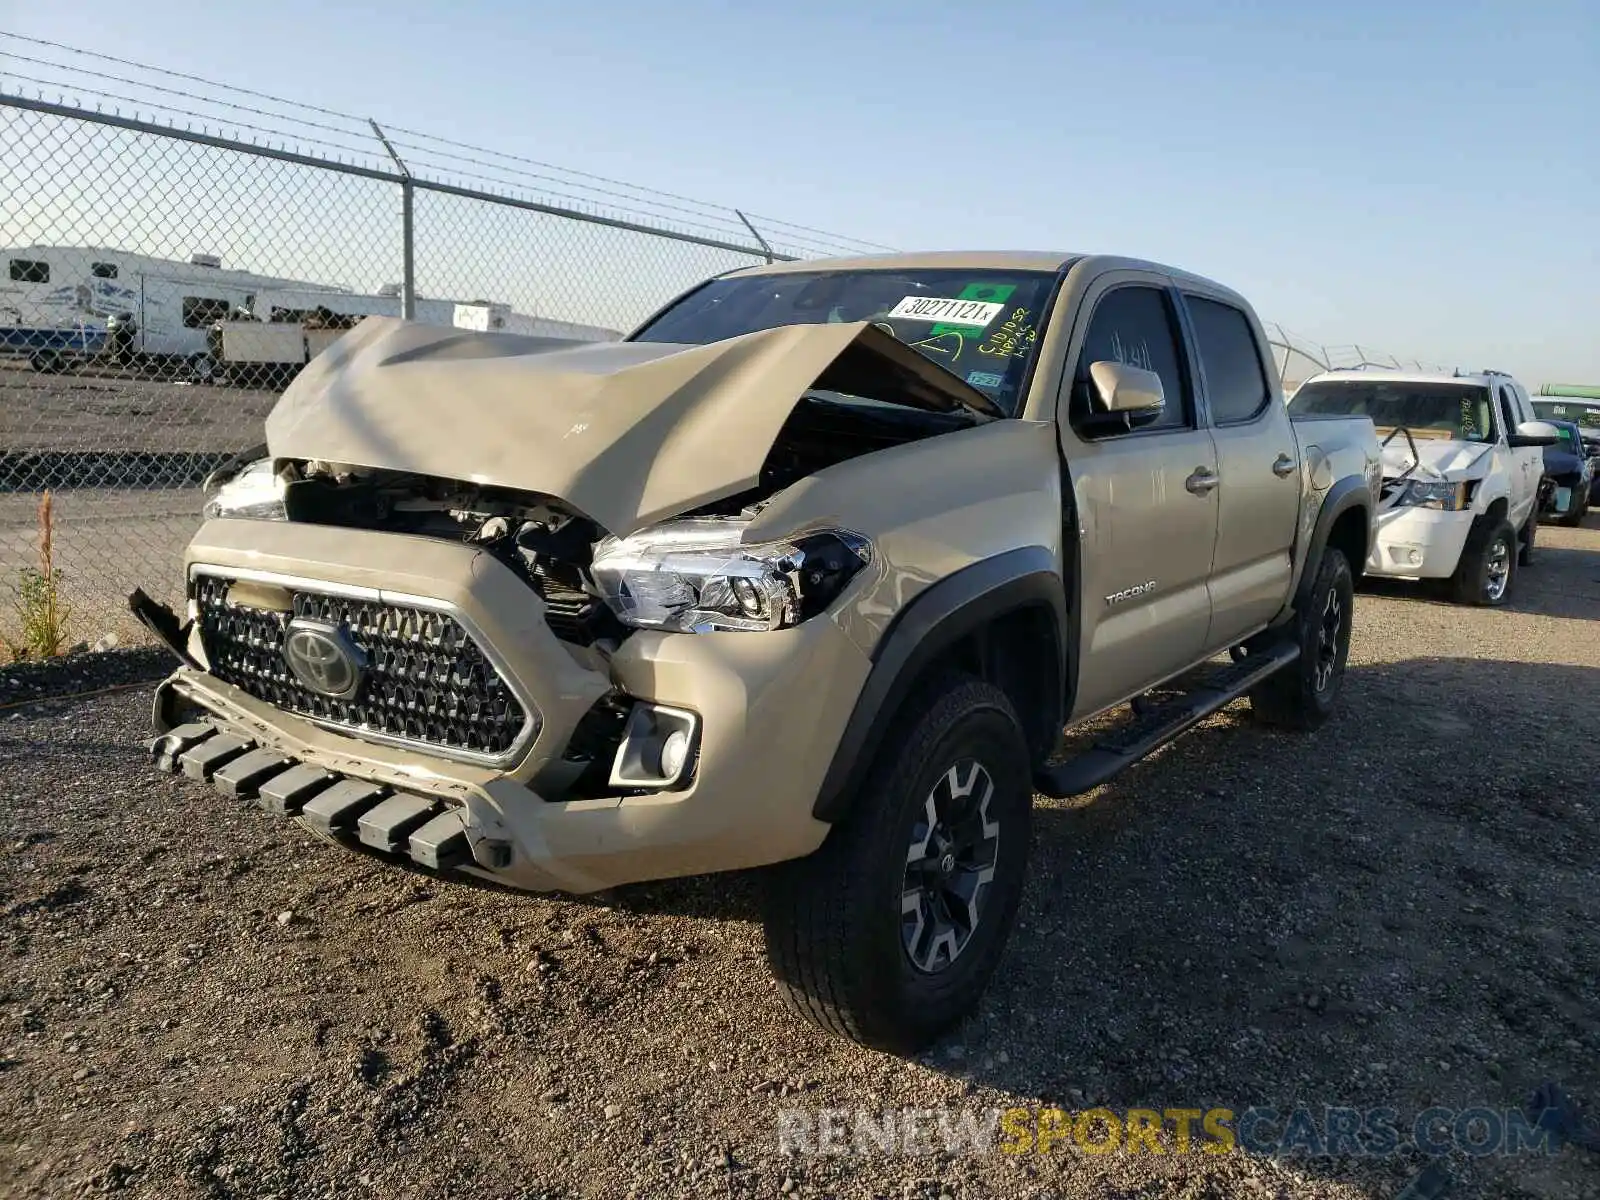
(408, 269)
(755, 233)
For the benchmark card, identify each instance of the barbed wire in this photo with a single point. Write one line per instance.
(488, 166)
(204, 118)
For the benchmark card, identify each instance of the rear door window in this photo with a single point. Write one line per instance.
(1236, 378)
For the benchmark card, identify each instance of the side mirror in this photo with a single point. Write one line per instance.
(1123, 395)
(1534, 433)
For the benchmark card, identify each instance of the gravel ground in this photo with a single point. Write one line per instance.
(1401, 909)
(94, 409)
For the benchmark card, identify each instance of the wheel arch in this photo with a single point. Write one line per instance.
(1003, 619)
(1344, 522)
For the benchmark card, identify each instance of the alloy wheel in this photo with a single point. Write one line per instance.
(1328, 631)
(1498, 573)
(950, 863)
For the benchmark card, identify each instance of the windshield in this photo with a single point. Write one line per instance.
(1583, 413)
(1454, 410)
(981, 326)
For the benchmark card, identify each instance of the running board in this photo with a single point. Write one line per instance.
(1125, 745)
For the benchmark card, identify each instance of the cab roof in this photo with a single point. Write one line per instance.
(977, 260)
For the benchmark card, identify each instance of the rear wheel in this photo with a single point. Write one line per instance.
(1488, 567)
(202, 367)
(46, 362)
(1303, 694)
(888, 934)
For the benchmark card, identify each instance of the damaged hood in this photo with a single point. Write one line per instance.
(627, 433)
(1436, 458)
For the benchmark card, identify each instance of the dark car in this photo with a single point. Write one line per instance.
(1568, 476)
(1584, 412)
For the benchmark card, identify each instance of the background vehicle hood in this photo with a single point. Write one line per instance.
(627, 433)
(1440, 458)
(1562, 462)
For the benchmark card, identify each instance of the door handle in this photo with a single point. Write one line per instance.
(1201, 481)
(1283, 465)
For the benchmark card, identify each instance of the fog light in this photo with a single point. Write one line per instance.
(1413, 556)
(674, 753)
(657, 747)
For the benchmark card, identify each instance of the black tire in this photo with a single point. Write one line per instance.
(1580, 510)
(839, 939)
(201, 367)
(46, 362)
(1530, 535)
(1487, 572)
(1303, 694)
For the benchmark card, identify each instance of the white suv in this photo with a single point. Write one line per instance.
(1461, 467)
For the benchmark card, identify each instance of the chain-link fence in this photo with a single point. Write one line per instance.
(1298, 358)
(173, 250)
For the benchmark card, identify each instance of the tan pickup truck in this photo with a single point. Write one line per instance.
(808, 573)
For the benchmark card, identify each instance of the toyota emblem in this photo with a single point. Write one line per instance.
(323, 658)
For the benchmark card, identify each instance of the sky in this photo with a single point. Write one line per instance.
(1422, 179)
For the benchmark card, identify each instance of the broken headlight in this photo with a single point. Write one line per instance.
(1425, 493)
(694, 575)
(256, 492)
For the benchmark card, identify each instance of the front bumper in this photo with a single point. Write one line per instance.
(1418, 543)
(771, 706)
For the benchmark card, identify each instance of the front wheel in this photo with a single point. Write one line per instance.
(888, 934)
(1303, 694)
(1488, 567)
(1580, 509)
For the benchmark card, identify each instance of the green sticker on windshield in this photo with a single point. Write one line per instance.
(992, 293)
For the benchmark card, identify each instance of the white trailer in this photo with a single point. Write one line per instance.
(500, 319)
(61, 302)
(286, 328)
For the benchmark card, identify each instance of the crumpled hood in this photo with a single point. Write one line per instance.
(1436, 458)
(627, 433)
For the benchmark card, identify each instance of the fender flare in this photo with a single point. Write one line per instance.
(1348, 493)
(1491, 490)
(933, 622)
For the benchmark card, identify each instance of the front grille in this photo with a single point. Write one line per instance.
(426, 680)
(572, 614)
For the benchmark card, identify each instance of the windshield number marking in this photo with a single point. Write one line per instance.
(955, 312)
(1013, 338)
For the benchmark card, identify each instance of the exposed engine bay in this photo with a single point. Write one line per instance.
(552, 547)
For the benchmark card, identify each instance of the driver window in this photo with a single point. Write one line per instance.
(1508, 413)
(1135, 325)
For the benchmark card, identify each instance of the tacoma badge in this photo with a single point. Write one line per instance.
(1138, 589)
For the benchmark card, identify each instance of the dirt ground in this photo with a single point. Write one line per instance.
(104, 409)
(1401, 910)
